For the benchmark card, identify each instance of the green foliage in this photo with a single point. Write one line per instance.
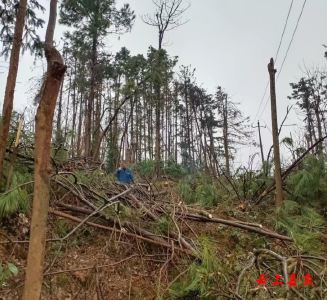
(202, 189)
(112, 157)
(31, 41)
(203, 275)
(144, 167)
(302, 223)
(169, 168)
(173, 169)
(309, 182)
(6, 272)
(164, 224)
(62, 227)
(60, 155)
(96, 19)
(187, 191)
(63, 281)
(16, 199)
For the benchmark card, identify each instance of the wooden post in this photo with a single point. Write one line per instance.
(14, 155)
(278, 176)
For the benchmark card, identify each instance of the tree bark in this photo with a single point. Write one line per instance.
(278, 176)
(11, 81)
(43, 132)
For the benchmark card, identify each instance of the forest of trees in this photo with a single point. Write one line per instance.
(95, 108)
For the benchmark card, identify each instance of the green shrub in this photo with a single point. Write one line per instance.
(303, 224)
(203, 275)
(144, 167)
(6, 272)
(309, 182)
(16, 199)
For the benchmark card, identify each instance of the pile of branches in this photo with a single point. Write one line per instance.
(91, 204)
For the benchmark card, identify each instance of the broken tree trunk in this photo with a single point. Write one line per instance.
(278, 175)
(43, 132)
(14, 156)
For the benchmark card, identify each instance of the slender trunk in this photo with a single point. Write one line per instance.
(14, 156)
(225, 129)
(74, 114)
(43, 133)
(310, 135)
(319, 128)
(67, 110)
(261, 149)
(59, 131)
(278, 176)
(201, 141)
(188, 123)
(176, 127)
(11, 81)
(97, 126)
(79, 130)
(157, 167)
(90, 100)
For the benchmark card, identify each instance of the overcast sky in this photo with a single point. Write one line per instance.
(230, 44)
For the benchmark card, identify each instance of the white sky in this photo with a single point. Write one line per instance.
(230, 44)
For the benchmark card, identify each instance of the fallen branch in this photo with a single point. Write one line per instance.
(236, 224)
(88, 268)
(122, 224)
(61, 214)
(280, 258)
(153, 217)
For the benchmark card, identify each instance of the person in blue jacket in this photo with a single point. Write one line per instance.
(124, 174)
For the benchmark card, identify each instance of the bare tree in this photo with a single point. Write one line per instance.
(43, 132)
(168, 16)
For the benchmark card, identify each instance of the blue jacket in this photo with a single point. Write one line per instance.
(125, 176)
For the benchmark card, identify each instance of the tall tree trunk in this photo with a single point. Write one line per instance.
(43, 133)
(310, 134)
(90, 100)
(278, 176)
(79, 130)
(188, 124)
(59, 131)
(225, 129)
(97, 125)
(157, 166)
(75, 103)
(67, 110)
(319, 128)
(11, 81)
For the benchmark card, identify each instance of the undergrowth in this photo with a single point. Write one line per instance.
(203, 275)
(169, 168)
(17, 199)
(302, 223)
